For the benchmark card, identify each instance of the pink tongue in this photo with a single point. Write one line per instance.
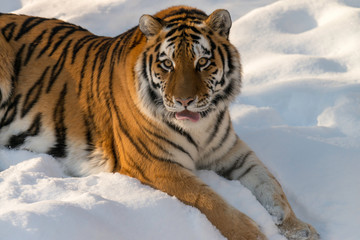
(187, 115)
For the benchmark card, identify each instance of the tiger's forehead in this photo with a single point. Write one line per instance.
(185, 38)
(175, 15)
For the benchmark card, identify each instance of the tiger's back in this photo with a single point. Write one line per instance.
(44, 99)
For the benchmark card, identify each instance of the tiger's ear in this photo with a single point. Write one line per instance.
(149, 25)
(220, 21)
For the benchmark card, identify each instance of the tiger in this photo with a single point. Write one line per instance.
(151, 103)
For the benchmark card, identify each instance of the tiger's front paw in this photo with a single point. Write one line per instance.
(241, 227)
(294, 229)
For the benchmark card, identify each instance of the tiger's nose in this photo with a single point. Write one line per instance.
(184, 102)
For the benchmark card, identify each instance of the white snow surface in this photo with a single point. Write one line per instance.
(299, 110)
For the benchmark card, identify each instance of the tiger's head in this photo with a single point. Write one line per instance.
(188, 68)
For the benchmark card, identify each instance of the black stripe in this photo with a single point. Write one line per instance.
(172, 39)
(221, 57)
(8, 31)
(194, 20)
(61, 40)
(127, 134)
(206, 51)
(212, 46)
(229, 59)
(182, 27)
(17, 65)
(149, 153)
(182, 132)
(80, 44)
(125, 39)
(247, 171)
(89, 137)
(103, 57)
(32, 47)
(112, 64)
(137, 39)
(34, 129)
(33, 94)
(54, 31)
(85, 63)
(28, 25)
(178, 147)
(171, 25)
(219, 120)
(158, 146)
(229, 90)
(58, 67)
(217, 99)
(90, 122)
(195, 30)
(186, 11)
(15, 76)
(224, 138)
(59, 149)
(171, 32)
(104, 42)
(154, 97)
(11, 112)
(99, 42)
(221, 82)
(237, 164)
(109, 95)
(143, 68)
(157, 47)
(154, 85)
(90, 114)
(117, 164)
(134, 165)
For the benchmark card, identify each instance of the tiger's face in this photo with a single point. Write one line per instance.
(188, 68)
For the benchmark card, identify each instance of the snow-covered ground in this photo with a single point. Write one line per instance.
(299, 110)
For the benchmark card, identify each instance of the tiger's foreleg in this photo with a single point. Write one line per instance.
(183, 184)
(242, 164)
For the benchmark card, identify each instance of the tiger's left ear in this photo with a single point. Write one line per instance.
(220, 21)
(149, 25)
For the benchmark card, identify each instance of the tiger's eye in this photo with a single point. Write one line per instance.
(202, 61)
(167, 63)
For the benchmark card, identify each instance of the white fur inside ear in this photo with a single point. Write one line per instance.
(149, 25)
(220, 21)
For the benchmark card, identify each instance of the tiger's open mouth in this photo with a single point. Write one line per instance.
(188, 115)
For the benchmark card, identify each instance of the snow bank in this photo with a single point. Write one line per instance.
(299, 110)
(38, 202)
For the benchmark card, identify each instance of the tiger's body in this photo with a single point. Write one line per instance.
(151, 103)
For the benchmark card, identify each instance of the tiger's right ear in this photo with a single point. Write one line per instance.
(220, 21)
(149, 25)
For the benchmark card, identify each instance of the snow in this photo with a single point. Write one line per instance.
(299, 110)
